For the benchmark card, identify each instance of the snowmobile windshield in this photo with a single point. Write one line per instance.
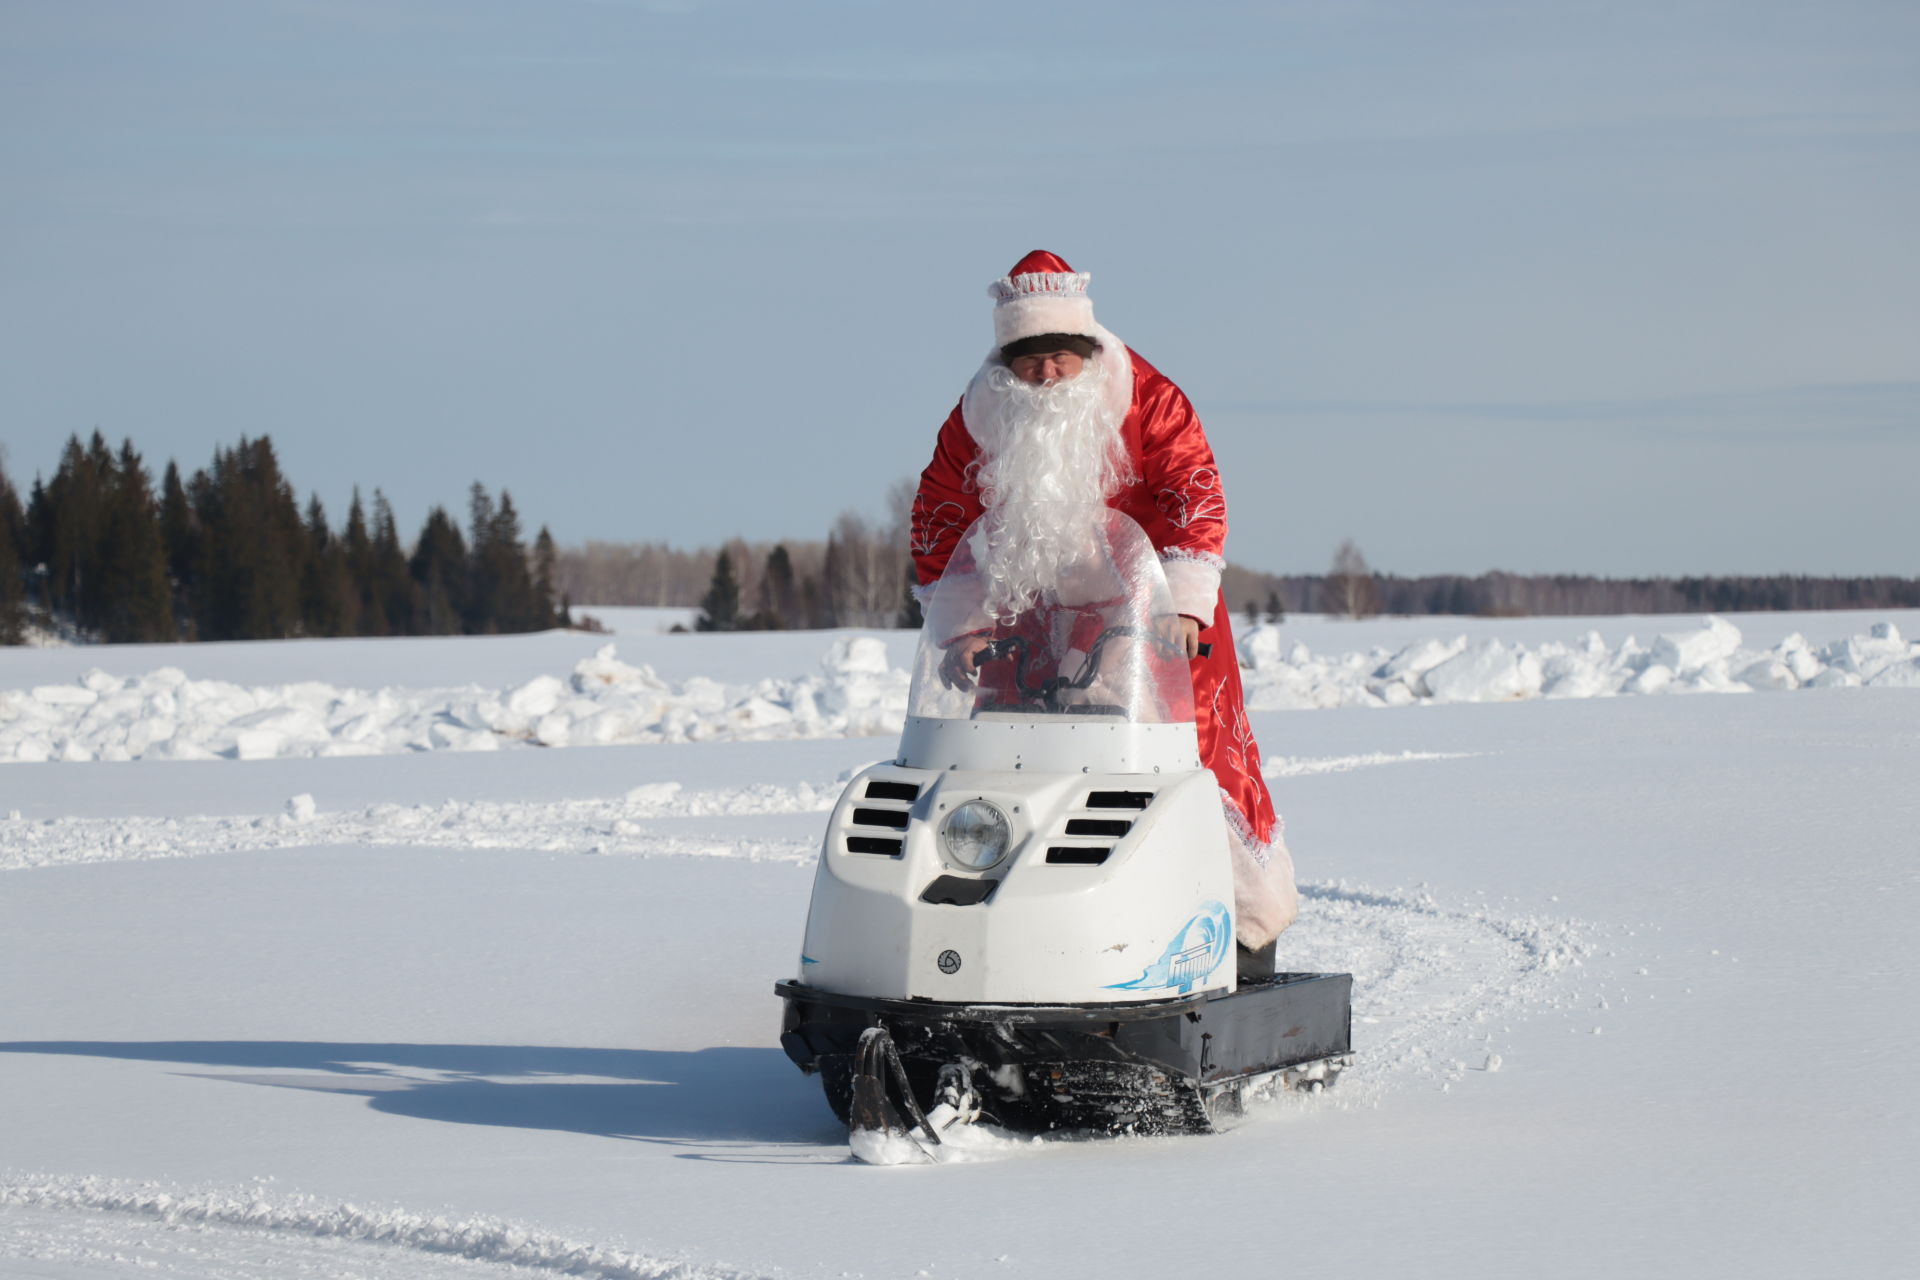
(1095, 637)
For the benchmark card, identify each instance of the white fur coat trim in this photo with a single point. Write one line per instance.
(1195, 584)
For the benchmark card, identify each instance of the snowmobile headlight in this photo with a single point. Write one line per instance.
(976, 835)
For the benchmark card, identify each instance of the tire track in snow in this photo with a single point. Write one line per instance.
(246, 1232)
(629, 825)
(1432, 982)
(1306, 766)
(615, 826)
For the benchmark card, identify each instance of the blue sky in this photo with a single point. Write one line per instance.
(1589, 287)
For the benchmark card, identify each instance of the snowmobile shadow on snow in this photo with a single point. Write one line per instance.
(719, 1094)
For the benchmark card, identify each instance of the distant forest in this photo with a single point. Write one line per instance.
(859, 576)
(850, 580)
(1351, 589)
(228, 555)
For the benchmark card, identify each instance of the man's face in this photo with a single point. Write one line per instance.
(1052, 366)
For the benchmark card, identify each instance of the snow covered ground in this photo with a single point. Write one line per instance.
(1629, 969)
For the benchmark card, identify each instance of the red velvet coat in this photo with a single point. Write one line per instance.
(1178, 501)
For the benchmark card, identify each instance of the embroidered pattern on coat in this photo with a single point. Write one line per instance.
(935, 525)
(1198, 499)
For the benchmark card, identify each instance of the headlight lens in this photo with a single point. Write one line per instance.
(976, 835)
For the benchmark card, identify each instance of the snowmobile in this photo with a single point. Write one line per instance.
(1025, 917)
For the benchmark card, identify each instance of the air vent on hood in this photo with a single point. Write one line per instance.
(1069, 855)
(895, 818)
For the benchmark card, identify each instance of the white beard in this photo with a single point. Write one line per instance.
(1046, 453)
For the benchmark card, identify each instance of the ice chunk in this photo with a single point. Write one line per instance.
(538, 696)
(1261, 647)
(1419, 657)
(258, 744)
(65, 695)
(554, 729)
(1655, 677)
(1769, 673)
(1903, 675)
(1486, 672)
(603, 670)
(301, 808)
(1686, 651)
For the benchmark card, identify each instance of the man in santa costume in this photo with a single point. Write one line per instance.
(1062, 412)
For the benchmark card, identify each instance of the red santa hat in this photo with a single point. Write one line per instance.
(1041, 295)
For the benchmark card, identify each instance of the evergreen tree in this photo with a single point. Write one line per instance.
(13, 538)
(356, 550)
(329, 604)
(180, 536)
(33, 542)
(720, 610)
(439, 567)
(132, 601)
(252, 546)
(483, 591)
(545, 579)
(391, 585)
(910, 616)
(779, 597)
(503, 598)
(66, 519)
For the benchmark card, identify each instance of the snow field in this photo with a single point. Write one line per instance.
(506, 1013)
(164, 715)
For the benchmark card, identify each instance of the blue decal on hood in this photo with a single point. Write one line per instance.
(1196, 951)
(808, 960)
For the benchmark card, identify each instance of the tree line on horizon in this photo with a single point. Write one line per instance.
(1351, 589)
(744, 586)
(228, 554)
(859, 575)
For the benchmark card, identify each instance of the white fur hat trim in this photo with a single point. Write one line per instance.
(1037, 302)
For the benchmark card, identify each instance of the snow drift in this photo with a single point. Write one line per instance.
(1708, 659)
(164, 715)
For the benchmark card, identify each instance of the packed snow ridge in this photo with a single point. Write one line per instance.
(1708, 659)
(166, 716)
(163, 715)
